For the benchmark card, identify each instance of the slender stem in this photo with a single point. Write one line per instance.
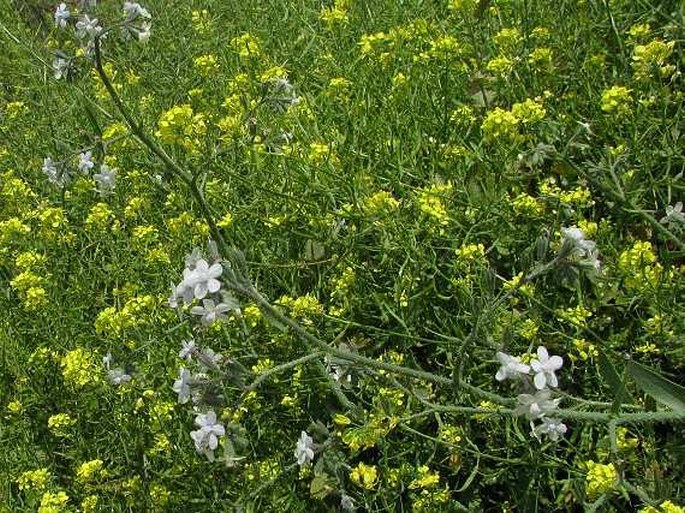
(283, 367)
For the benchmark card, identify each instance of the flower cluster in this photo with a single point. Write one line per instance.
(206, 438)
(538, 404)
(58, 174)
(187, 386)
(136, 24)
(200, 279)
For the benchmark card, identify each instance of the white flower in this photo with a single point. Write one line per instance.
(544, 368)
(118, 376)
(133, 10)
(106, 179)
(107, 360)
(346, 502)
(203, 278)
(182, 385)
(144, 33)
(187, 350)
(209, 358)
(674, 214)
(210, 312)
(578, 246)
(511, 367)
(87, 27)
(553, 428)
(85, 163)
(60, 68)
(206, 438)
(62, 14)
(304, 450)
(50, 170)
(536, 406)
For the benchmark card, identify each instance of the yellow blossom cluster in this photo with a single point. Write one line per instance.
(617, 100)
(182, 127)
(649, 60)
(206, 64)
(136, 312)
(336, 14)
(640, 267)
(664, 507)
(364, 475)
(78, 367)
(600, 478)
(34, 479)
(429, 200)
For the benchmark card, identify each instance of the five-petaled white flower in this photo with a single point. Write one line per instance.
(87, 27)
(553, 428)
(182, 385)
(188, 349)
(62, 14)
(106, 179)
(210, 312)
(85, 163)
(133, 10)
(536, 406)
(206, 438)
(511, 367)
(50, 170)
(60, 68)
(203, 278)
(304, 450)
(544, 368)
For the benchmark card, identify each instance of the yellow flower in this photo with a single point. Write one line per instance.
(528, 111)
(34, 479)
(664, 507)
(507, 38)
(651, 58)
(600, 478)
(181, 126)
(89, 504)
(89, 470)
(501, 65)
(78, 368)
(201, 21)
(364, 475)
(53, 502)
(15, 407)
(59, 423)
(206, 64)
(616, 100)
(247, 46)
(500, 123)
(425, 479)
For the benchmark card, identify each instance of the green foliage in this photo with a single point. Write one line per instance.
(389, 188)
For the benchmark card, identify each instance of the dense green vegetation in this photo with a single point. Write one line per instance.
(291, 255)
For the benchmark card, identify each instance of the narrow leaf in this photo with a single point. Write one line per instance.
(654, 384)
(613, 379)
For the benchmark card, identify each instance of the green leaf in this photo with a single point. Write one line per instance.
(321, 486)
(613, 379)
(654, 384)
